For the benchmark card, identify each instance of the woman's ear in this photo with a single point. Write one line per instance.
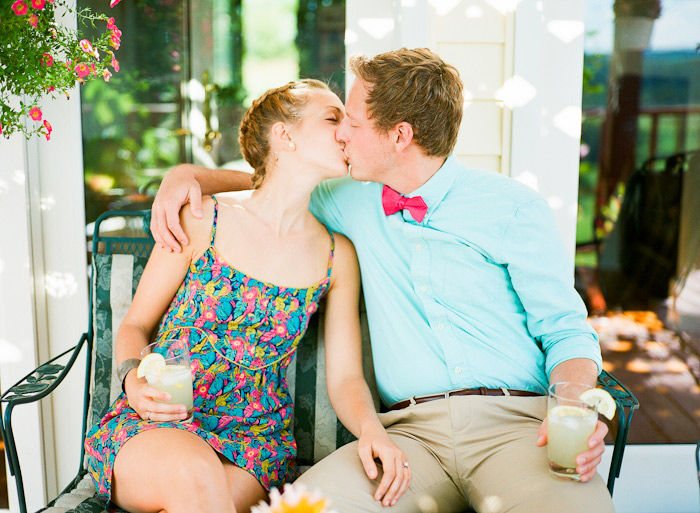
(402, 136)
(280, 138)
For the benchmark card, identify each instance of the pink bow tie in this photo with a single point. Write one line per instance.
(392, 202)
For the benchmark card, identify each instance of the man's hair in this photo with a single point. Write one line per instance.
(285, 103)
(415, 86)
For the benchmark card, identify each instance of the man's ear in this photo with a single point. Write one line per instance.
(280, 138)
(401, 135)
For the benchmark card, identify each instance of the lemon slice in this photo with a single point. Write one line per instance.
(152, 365)
(600, 400)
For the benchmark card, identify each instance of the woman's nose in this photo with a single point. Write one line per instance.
(340, 131)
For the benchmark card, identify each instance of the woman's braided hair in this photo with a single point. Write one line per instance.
(284, 104)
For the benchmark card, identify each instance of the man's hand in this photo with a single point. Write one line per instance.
(376, 443)
(586, 462)
(179, 186)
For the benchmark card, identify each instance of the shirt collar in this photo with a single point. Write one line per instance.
(435, 189)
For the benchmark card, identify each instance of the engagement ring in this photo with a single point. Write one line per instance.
(405, 464)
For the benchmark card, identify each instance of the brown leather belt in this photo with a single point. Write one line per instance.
(463, 391)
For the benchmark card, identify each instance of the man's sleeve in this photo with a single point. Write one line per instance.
(542, 275)
(327, 202)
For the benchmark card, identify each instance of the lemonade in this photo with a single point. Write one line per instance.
(568, 431)
(176, 380)
(166, 366)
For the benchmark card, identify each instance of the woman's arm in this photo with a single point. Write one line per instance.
(186, 183)
(161, 278)
(347, 388)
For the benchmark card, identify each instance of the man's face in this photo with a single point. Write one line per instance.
(367, 150)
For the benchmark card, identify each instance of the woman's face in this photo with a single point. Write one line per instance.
(314, 135)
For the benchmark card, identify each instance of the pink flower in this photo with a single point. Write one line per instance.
(0, 128)
(106, 74)
(35, 113)
(114, 2)
(117, 32)
(53, 30)
(110, 24)
(20, 8)
(92, 68)
(115, 41)
(85, 46)
(33, 20)
(115, 64)
(47, 125)
(38, 4)
(48, 90)
(46, 59)
(81, 69)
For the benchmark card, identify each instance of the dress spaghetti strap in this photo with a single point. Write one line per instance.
(330, 258)
(213, 227)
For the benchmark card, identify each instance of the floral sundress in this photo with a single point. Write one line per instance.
(244, 334)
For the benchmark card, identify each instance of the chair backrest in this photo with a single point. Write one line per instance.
(117, 265)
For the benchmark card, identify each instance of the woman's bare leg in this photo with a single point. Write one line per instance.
(168, 470)
(247, 491)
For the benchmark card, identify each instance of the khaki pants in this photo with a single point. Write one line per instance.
(468, 451)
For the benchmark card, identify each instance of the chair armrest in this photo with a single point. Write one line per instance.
(43, 380)
(623, 397)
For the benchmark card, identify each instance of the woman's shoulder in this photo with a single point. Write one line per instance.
(198, 229)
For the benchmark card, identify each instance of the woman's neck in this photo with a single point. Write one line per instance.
(282, 204)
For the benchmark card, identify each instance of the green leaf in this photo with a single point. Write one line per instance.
(29, 388)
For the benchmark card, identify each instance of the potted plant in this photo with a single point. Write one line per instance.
(40, 57)
(634, 20)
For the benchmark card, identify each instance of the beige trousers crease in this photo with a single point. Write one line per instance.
(465, 452)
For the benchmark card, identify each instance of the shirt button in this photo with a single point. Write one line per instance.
(441, 326)
(458, 370)
(419, 247)
(423, 288)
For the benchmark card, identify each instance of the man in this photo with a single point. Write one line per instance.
(468, 289)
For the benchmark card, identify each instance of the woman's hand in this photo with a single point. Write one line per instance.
(375, 443)
(142, 398)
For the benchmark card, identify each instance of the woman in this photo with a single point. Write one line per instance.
(250, 278)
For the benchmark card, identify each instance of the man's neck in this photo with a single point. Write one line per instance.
(411, 174)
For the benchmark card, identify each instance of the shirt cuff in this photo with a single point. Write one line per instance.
(571, 348)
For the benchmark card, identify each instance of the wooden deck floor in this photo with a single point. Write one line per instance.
(664, 379)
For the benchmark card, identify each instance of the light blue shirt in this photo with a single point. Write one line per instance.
(480, 293)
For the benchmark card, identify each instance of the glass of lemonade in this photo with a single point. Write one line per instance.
(571, 423)
(175, 377)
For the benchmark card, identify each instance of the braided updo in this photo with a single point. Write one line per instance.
(284, 104)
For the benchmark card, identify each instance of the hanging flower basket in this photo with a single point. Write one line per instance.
(641, 8)
(41, 58)
(633, 32)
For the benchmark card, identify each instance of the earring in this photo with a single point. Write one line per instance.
(291, 145)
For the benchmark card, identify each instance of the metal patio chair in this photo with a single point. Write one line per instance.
(121, 245)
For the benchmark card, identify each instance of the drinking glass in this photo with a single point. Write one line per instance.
(571, 423)
(176, 376)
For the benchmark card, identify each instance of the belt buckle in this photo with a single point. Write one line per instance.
(505, 391)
